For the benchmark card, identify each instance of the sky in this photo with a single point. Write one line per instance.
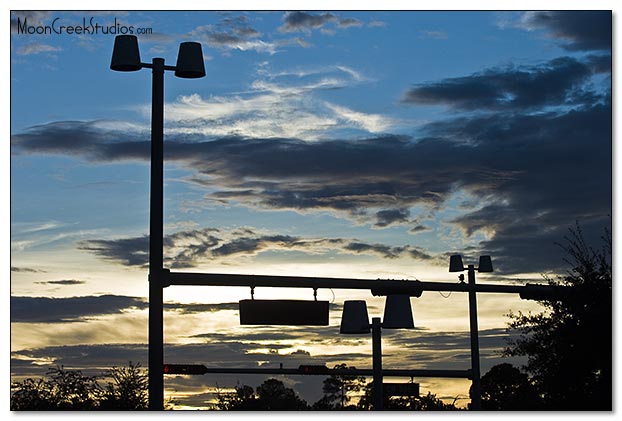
(367, 145)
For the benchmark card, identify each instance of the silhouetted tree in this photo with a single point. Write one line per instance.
(271, 395)
(128, 390)
(569, 346)
(32, 395)
(243, 399)
(70, 390)
(506, 388)
(338, 390)
(64, 390)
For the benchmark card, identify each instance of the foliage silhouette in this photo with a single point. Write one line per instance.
(271, 395)
(128, 390)
(70, 390)
(569, 346)
(338, 390)
(506, 388)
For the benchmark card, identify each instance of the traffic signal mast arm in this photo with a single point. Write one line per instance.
(378, 287)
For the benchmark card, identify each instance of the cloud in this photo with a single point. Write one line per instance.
(36, 48)
(302, 21)
(350, 22)
(32, 17)
(372, 123)
(377, 24)
(234, 33)
(513, 165)
(433, 34)
(185, 249)
(272, 103)
(419, 228)
(26, 270)
(412, 349)
(70, 309)
(126, 251)
(532, 154)
(565, 176)
(579, 30)
(200, 308)
(560, 81)
(62, 282)
(390, 217)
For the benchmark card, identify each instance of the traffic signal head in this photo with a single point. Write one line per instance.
(184, 369)
(313, 369)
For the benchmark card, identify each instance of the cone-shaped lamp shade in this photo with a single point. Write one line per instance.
(397, 313)
(455, 263)
(485, 264)
(190, 61)
(354, 319)
(125, 55)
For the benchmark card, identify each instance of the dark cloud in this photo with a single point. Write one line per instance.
(201, 308)
(419, 228)
(389, 217)
(70, 309)
(232, 32)
(561, 166)
(223, 39)
(127, 251)
(534, 154)
(93, 140)
(186, 249)
(62, 282)
(560, 81)
(579, 30)
(542, 171)
(386, 251)
(302, 21)
(26, 270)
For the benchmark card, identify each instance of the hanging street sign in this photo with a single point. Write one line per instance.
(284, 312)
(401, 389)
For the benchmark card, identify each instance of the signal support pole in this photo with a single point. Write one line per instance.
(156, 240)
(376, 342)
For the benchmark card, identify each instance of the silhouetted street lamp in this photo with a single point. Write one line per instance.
(190, 65)
(354, 320)
(485, 265)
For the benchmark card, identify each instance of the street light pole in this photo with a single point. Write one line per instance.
(476, 392)
(190, 65)
(156, 239)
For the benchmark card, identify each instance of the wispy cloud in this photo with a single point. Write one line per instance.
(36, 48)
(272, 103)
(434, 34)
(26, 270)
(186, 249)
(350, 22)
